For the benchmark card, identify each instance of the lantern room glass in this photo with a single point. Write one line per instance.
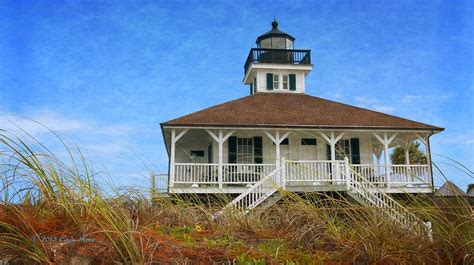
(276, 43)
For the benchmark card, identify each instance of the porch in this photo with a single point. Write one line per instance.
(297, 176)
(230, 160)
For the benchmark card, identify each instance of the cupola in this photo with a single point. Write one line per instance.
(275, 39)
(275, 66)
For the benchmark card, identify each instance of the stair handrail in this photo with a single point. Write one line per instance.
(391, 204)
(254, 187)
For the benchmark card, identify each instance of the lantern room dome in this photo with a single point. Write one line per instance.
(275, 39)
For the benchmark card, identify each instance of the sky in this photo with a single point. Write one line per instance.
(106, 73)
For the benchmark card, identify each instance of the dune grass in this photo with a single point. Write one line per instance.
(52, 211)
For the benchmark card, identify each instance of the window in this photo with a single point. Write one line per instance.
(276, 81)
(197, 153)
(278, 43)
(285, 82)
(245, 151)
(308, 141)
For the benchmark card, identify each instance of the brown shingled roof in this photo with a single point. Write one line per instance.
(294, 110)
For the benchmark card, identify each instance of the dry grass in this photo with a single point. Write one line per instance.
(43, 195)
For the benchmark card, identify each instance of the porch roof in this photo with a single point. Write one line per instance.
(294, 110)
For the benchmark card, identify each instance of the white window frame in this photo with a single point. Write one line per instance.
(245, 154)
(285, 83)
(276, 81)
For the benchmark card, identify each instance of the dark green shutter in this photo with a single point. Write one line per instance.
(257, 150)
(355, 151)
(269, 81)
(232, 148)
(292, 82)
(251, 89)
(328, 151)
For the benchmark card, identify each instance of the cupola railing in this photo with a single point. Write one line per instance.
(277, 56)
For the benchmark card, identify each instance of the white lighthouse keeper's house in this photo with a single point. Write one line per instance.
(280, 138)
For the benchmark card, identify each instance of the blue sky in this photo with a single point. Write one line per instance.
(106, 73)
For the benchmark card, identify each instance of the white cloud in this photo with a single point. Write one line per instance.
(99, 139)
(41, 122)
(374, 104)
(107, 148)
(365, 100)
(411, 98)
(457, 138)
(384, 108)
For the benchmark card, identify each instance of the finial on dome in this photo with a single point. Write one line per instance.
(274, 23)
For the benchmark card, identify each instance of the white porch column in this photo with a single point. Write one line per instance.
(407, 159)
(277, 139)
(407, 155)
(378, 154)
(174, 139)
(377, 169)
(220, 139)
(407, 150)
(426, 143)
(332, 140)
(385, 141)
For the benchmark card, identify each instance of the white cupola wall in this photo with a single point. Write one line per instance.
(278, 81)
(275, 66)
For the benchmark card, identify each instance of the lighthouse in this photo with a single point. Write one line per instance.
(275, 66)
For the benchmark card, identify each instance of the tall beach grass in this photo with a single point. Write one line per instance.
(53, 211)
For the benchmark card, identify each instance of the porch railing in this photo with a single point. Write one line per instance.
(314, 170)
(301, 171)
(245, 173)
(196, 173)
(398, 174)
(277, 56)
(159, 183)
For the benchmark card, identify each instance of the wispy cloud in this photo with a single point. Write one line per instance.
(412, 98)
(41, 122)
(374, 104)
(101, 139)
(365, 100)
(384, 108)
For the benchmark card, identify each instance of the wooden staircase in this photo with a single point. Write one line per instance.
(266, 192)
(367, 194)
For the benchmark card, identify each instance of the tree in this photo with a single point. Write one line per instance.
(417, 157)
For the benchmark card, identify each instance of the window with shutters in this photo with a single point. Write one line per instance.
(245, 151)
(276, 81)
(285, 81)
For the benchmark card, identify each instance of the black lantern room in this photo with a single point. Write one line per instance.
(275, 39)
